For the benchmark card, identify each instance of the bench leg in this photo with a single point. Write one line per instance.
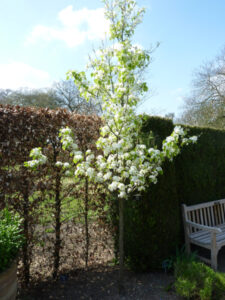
(188, 246)
(213, 252)
(214, 260)
(186, 230)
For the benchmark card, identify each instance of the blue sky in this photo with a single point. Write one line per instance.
(41, 40)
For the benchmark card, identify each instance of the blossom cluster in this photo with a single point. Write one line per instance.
(125, 166)
(69, 143)
(37, 158)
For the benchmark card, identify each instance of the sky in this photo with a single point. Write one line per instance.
(41, 40)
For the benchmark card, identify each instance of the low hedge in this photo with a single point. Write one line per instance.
(195, 280)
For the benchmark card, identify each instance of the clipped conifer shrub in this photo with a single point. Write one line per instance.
(153, 221)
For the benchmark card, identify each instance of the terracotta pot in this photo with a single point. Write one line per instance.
(8, 283)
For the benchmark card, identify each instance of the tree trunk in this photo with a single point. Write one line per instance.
(121, 246)
(26, 261)
(86, 223)
(57, 226)
(2, 200)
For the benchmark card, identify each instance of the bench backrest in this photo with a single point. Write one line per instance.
(209, 213)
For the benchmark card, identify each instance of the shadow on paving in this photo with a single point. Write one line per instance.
(101, 283)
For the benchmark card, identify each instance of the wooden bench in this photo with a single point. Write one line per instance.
(204, 225)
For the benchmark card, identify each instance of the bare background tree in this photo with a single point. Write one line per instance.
(205, 106)
(62, 94)
(4, 93)
(68, 96)
(170, 116)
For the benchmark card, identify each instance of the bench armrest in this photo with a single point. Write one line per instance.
(204, 227)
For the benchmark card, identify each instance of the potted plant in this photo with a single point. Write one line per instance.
(11, 240)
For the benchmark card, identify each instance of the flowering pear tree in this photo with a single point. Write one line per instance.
(113, 77)
(124, 165)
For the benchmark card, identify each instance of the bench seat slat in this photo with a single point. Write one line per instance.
(203, 232)
(199, 234)
(220, 240)
(204, 237)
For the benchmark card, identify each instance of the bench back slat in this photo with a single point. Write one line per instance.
(209, 216)
(197, 213)
(223, 212)
(218, 214)
(212, 215)
(205, 216)
(193, 216)
(201, 217)
(209, 213)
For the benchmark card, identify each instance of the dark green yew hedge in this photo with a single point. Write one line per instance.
(153, 224)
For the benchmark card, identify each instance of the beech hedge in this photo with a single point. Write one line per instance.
(31, 193)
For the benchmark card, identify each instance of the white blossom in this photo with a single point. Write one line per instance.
(193, 139)
(113, 186)
(107, 176)
(66, 165)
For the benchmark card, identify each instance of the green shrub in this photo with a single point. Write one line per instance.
(195, 280)
(180, 256)
(11, 238)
